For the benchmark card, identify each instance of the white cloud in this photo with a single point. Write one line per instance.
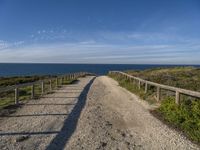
(101, 47)
(3, 44)
(6, 45)
(92, 52)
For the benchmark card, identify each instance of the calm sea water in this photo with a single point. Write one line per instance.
(11, 69)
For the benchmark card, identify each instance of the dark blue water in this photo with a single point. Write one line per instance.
(11, 69)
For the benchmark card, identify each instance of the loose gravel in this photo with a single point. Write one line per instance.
(89, 116)
(117, 119)
(39, 122)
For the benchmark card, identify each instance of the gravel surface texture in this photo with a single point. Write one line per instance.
(41, 123)
(89, 115)
(117, 119)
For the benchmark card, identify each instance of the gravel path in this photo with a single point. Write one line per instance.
(116, 119)
(37, 124)
(90, 116)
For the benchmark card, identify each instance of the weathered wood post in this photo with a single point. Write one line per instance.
(146, 87)
(139, 84)
(56, 82)
(42, 87)
(158, 94)
(16, 96)
(177, 97)
(61, 80)
(65, 78)
(32, 91)
(50, 85)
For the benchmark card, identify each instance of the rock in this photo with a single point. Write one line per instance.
(22, 138)
(103, 144)
(123, 134)
(108, 123)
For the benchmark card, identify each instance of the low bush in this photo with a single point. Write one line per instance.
(186, 116)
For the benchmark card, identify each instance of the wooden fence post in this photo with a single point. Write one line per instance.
(146, 87)
(65, 78)
(56, 82)
(61, 80)
(32, 91)
(177, 97)
(158, 94)
(42, 87)
(50, 85)
(16, 96)
(139, 84)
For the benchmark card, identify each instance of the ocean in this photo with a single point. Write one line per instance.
(20, 69)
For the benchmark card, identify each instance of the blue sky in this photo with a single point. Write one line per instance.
(100, 31)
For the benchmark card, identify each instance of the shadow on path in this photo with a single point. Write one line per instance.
(70, 123)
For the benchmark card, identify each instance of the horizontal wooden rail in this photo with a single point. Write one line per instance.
(16, 88)
(178, 91)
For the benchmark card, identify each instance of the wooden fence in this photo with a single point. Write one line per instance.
(177, 91)
(62, 78)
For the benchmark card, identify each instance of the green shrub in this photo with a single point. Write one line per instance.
(130, 86)
(186, 116)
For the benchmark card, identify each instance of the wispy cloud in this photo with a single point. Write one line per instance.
(6, 44)
(110, 37)
(93, 52)
(3, 44)
(64, 46)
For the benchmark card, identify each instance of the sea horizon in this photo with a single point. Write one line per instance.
(28, 69)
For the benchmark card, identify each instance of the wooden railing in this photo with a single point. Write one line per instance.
(177, 91)
(62, 78)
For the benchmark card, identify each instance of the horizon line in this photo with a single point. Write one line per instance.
(96, 63)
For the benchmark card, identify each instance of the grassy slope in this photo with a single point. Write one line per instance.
(7, 81)
(185, 116)
(7, 98)
(182, 77)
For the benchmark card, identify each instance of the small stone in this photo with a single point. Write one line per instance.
(22, 138)
(103, 144)
(108, 123)
(123, 134)
(128, 143)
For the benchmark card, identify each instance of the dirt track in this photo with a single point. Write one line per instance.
(102, 116)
